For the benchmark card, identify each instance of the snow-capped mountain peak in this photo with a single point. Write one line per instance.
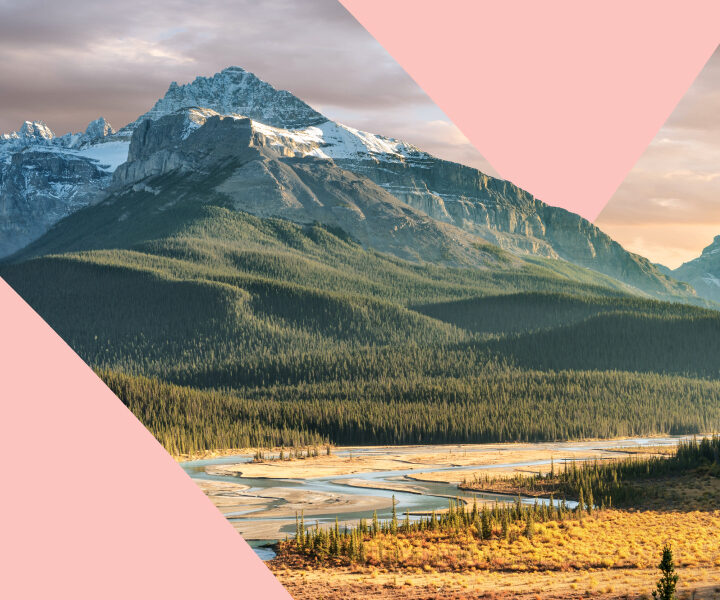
(36, 129)
(99, 128)
(30, 131)
(236, 91)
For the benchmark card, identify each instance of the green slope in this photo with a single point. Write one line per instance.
(313, 338)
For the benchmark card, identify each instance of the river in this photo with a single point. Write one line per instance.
(427, 496)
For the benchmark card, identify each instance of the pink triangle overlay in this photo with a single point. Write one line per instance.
(561, 97)
(92, 505)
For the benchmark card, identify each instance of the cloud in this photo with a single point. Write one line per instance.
(81, 53)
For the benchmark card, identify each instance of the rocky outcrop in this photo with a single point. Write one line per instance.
(99, 129)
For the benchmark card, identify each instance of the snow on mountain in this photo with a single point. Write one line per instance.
(36, 135)
(329, 140)
(31, 131)
(336, 141)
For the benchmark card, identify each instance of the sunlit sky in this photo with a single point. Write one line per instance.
(69, 62)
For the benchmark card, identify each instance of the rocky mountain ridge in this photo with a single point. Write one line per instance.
(465, 203)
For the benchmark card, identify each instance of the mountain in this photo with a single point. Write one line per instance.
(703, 273)
(44, 178)
(304, 167)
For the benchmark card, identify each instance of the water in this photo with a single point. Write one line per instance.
(431, 496)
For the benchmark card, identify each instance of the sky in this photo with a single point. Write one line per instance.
(69, 62)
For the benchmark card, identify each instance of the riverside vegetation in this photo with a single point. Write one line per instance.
(538, 550)
(501, 536)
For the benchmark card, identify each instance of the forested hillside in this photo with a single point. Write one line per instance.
(222, 329)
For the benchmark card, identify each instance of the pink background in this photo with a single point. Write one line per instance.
(561, 97)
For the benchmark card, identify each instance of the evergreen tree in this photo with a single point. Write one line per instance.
(581, 504)
(394, 521)
(505, 526)
(667, 583)
(529, 526)
(486, 524)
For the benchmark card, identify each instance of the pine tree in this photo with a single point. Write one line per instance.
(581, 504)
(298, 532)
(530, 526)
(486, 525)
(667, 583)
(433, 521)
(303, 538)
(334, 539)
(394, 521)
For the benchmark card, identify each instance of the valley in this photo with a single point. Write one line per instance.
(256, 282)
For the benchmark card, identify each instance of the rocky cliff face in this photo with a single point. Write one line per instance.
(232, 158)
(703, 273)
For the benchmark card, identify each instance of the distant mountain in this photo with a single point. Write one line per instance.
(703, 273)
(44, 178)
(276, 156)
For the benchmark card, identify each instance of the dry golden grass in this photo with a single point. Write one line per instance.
(611, 555)
(608, 584)
(613, 539)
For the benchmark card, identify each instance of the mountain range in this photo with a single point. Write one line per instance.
(289, 161)
(243, 271)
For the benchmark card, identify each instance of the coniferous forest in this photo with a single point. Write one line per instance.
(223, 330)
